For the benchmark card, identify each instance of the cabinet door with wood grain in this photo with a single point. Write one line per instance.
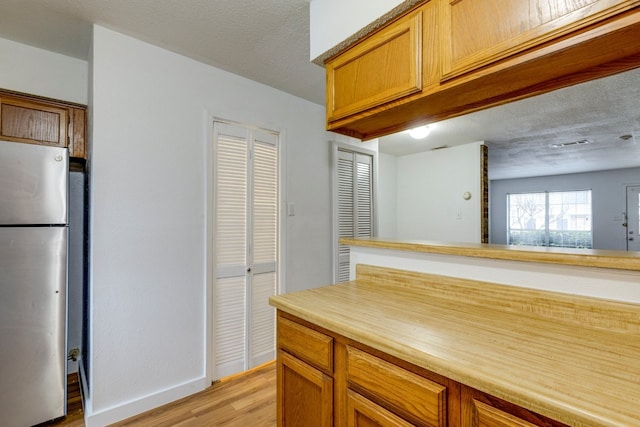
(361, 412)
(481, 32)
(482, 410)
(304, 394)
(384, 67)
(33, 122)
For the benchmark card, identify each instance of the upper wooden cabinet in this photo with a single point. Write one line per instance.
(475, 54)
(480, 32)
(397, 61)
(380, 69)
(33, 120)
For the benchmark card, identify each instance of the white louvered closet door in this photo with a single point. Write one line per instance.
(354, 203)
(245, 247)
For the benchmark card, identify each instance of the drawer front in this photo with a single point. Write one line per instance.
(417, 399)
(311, 346)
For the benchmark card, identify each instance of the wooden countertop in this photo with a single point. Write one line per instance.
(574, 359)
(620, 260)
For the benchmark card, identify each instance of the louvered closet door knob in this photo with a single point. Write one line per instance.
(249, 270)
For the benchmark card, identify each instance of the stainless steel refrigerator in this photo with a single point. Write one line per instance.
(33, 282)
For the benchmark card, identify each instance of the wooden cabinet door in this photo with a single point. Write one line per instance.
(384, 67)
(482, 410)
(33, 122)
(304, 395)
(480, 32)
(362, 412)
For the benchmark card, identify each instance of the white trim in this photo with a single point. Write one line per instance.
(208, 244)
(134, 407)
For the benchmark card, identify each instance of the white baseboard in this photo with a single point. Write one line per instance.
(113, 414)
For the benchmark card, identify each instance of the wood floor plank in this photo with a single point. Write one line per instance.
(247, 399)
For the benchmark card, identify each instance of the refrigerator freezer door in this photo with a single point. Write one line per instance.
(33, 281)
(33, 184)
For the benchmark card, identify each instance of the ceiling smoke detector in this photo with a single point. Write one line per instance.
(568, 144)
(626, 137)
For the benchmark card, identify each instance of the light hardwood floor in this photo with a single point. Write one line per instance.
(244, 400)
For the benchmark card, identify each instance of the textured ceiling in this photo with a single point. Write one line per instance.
(521, 135)
(263, 40)
(268, 41)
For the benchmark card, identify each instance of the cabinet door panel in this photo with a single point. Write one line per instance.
(483, 410)
(362, 412)
(382, 68)
(304, 395)
(484, 31)
(34, 123)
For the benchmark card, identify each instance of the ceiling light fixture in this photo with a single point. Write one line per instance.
(420, 132)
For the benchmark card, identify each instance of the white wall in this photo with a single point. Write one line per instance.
(149, 217)
(608, 202)
(40, 72)
(333, 21)
(430, 188)
(387, 196)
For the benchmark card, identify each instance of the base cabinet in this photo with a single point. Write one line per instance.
(325, 379)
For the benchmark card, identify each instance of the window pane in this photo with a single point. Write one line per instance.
(568, 214)
(526, 219)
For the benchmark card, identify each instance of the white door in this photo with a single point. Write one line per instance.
(245, 247)
(353, 203)
(633, 218)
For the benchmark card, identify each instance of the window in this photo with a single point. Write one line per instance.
(551, 218)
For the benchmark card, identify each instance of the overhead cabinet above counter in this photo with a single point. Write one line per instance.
(34, 120)
(445, 58)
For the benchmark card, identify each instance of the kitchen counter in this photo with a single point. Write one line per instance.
(621, 260)
(571, 358)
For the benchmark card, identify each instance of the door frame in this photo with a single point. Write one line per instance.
(209, 219)
(626, 215)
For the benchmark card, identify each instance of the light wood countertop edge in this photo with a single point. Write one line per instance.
(619, 260)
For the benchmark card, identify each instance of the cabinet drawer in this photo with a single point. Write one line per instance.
(311, 346)
(417, 399)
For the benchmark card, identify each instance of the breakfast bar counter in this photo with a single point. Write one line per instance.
(573, 359)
